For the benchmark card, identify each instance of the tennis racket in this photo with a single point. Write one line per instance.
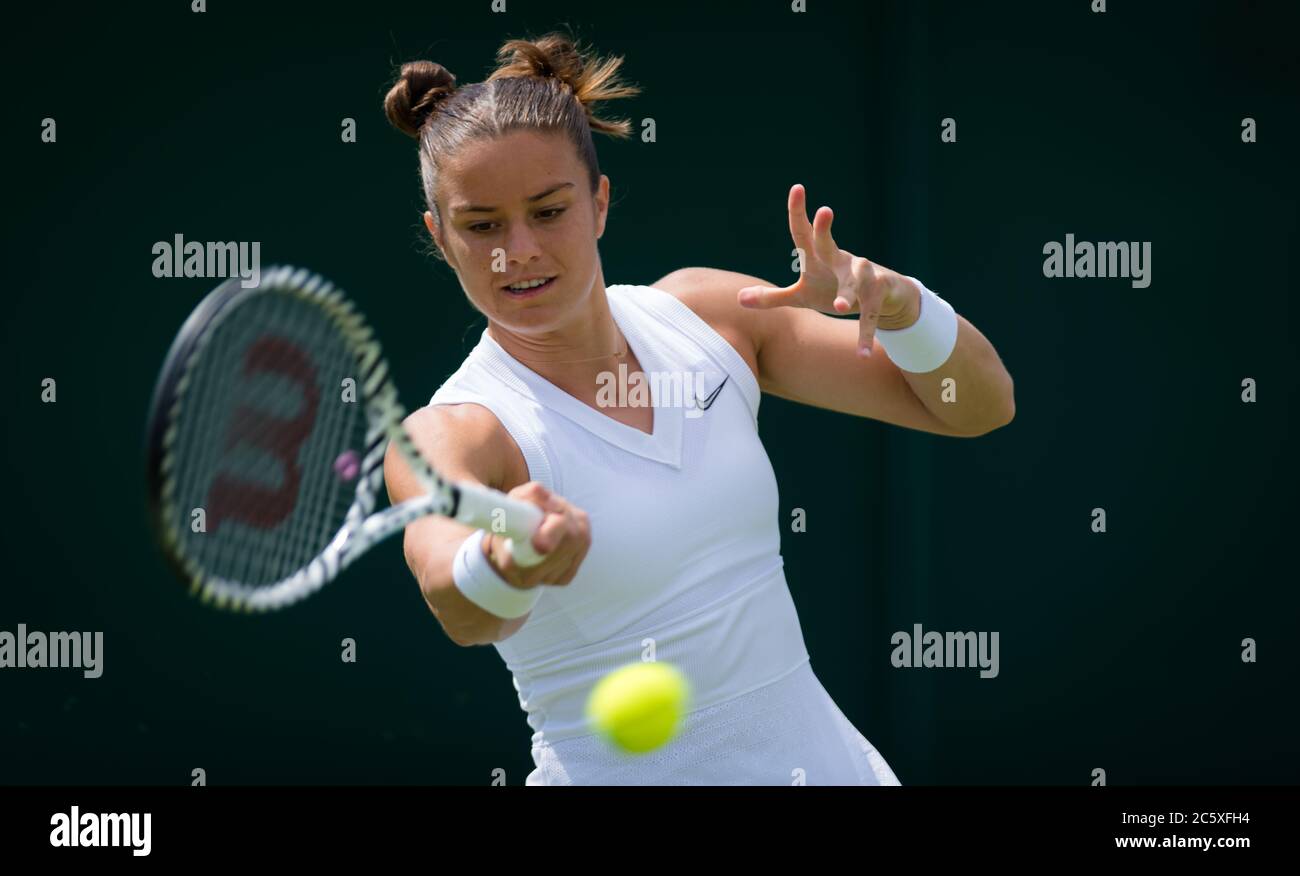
(266, 439)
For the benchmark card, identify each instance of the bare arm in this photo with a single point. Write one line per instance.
(809, 357)
(799, 352)
(463, 442)
(467, 443)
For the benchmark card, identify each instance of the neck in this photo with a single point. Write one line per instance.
(572, 353)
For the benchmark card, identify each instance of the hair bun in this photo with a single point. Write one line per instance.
(557, 56)
(420, 88)
(551, 57)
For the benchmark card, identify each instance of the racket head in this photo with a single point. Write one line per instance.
(266, 437)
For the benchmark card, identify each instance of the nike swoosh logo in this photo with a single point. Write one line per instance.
(708, 402)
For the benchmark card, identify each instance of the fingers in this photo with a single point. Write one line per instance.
(869, 294)
(801, 232)
(814, 237)
(823, 244)
(856, 289)
(866, 336)
(765, 297)
(846, 299)
(563, 539)
(552, 531)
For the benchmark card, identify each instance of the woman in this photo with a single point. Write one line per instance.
(661, 536)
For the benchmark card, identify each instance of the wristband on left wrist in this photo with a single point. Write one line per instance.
(908, 315)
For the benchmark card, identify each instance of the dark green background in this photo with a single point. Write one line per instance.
(1118, 651)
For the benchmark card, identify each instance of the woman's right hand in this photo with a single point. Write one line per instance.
(563, 539)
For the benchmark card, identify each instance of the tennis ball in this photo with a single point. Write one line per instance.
(638, 707)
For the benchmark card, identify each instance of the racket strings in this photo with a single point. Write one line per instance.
(328, 494)
(315, 515)
(264, 429)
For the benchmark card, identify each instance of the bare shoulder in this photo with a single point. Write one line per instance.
(463, 442)
(711, 294)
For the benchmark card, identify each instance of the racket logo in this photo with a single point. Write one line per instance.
(255, 504)
(246, 438)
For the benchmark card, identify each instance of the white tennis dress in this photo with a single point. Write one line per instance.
(684, 567)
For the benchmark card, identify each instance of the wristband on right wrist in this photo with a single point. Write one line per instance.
(478, 580)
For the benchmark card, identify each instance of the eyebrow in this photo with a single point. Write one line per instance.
(537, 197)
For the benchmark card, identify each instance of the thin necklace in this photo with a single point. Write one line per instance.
(568, 361)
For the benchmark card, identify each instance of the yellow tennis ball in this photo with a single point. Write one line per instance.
(638, 707)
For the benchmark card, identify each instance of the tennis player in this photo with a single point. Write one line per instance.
(661, 536)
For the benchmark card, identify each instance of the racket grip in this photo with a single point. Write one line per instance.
(522, 552)
(500, 514)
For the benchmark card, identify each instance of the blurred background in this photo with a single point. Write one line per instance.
(1118, 651)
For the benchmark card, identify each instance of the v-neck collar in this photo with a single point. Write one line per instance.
(664, 444)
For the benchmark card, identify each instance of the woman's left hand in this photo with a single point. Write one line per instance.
(834, 281)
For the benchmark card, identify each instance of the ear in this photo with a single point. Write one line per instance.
(602, 205)
(434, 233)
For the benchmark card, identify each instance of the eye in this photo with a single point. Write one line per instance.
(483, 227)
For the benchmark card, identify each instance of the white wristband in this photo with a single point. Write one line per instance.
(927, 343)
(475, 577)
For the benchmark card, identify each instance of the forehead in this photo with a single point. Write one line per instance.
(507, 169)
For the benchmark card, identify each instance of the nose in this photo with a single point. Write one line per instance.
(521, 244)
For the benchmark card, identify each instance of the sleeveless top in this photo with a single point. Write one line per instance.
(684, 565)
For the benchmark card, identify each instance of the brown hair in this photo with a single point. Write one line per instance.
(547, 84)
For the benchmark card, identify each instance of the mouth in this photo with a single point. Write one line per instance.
(531, 292)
